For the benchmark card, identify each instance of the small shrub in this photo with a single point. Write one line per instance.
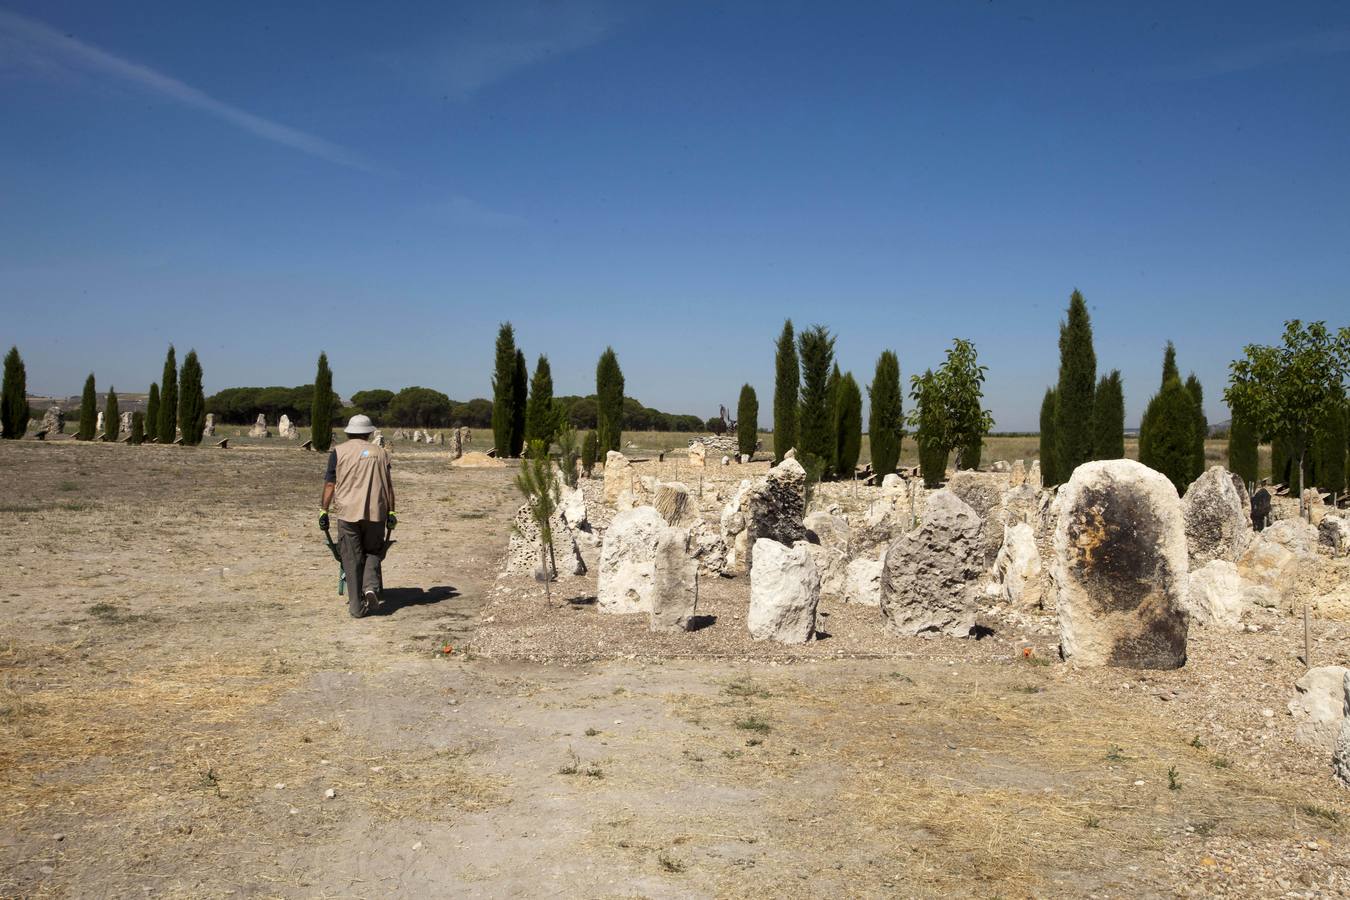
(573, 764)
(1173, 779)
(591, 732)
(669, 863)
(1092, 822)
(754, 723)
(1320, 812)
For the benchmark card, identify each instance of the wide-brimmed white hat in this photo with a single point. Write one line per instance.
(360, 425)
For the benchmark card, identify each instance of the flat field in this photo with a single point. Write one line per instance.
(180, 687)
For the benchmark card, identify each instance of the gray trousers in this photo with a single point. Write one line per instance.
(360, 544)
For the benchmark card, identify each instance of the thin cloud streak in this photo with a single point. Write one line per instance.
(42, 40)
(1247, 58)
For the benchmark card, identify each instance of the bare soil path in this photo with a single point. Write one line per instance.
(180, 686)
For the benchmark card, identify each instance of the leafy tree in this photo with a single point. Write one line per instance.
(112, 417)
(568, 453)
(609, 402)
(590, 449)
(928, 418)
(537, 482)
(1197, 393)
(504, 389)
(152, 414)
(816, 347)
(541, 419)
(14, 407)
(787, 381)
(847, 426)
(321, 409)
(167, 426)
(192, 403)
(716, 425)
(1330, 450)
(520, 386)
(747, 421)
(1108, 418)
(137, 428)
(1073, 393)
(951, 417)
(886, 424)
(1050, 474)
(1287, 391)
(373, 403)
(419, 407)
(88, 411)
(1242, 449)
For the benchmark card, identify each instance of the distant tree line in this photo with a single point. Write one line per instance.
(241, 405)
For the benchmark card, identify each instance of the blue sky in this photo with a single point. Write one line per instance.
(387, 182)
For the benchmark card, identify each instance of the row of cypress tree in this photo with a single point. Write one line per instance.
(818, 409)
(1082, 417)
(523, 410)
(177, 402)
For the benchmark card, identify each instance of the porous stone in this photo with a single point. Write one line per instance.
(259, 429)
(828, 538)
(98, 425)
(1270, 566)
(1318, 706)
(1034, 475)
(1216, 595)
(930, 576)
(523, 551)
(54, 420)
(1121, 567)
(674, 504)
(124, 424)
(285, 429)
(674, 595)
(1016, 576)
(698, 454)
(776, 507)
(1313, 503)
(1000, 465)
(618, 476)
(708, 547)
(862, 582)
(209, 430)
(983, 492)
(734, 524)
(1217, 518)
(1295, 535)
(1334, 534)
(1017, 476)
(784, 592)
(627, 559)
(1340, 759)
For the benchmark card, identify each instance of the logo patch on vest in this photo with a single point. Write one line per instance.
(365, 452)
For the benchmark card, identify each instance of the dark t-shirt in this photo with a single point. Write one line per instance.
(330, 477)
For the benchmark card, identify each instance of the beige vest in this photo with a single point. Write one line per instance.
(363, 485)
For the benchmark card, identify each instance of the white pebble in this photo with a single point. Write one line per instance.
(1139, 783)
(1268, 712)
(417, 846)
(330, 793)
(279, 786)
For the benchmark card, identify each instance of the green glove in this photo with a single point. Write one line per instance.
(323, 520)
(391, 521)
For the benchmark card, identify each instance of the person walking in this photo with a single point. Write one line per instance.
(359, 489)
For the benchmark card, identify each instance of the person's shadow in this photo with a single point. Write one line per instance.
(398, 598)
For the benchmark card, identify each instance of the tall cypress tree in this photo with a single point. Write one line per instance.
(747, 421)
(112, 417)
(503, 389)
(137, 429)
(1169, 372)
(152, 414)
(1283, 469)
(1242, 449)
(541, 420)
(520, 395)
(1108, 418)
(1329, 449)
(167, 427)
(786, 383)
(609, 401)
(1171, 446)
(816, 347)
(1169, 368)
(1049, 470)
(14, 406)
(1073, 394)
(847, 426)
(832, 405)
(1197, 393)
(88, 411)
(192, 404)
(886, 423)
(320, 411)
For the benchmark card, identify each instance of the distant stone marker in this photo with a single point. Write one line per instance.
(259, 429)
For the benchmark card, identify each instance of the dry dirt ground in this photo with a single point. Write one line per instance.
(180, 686)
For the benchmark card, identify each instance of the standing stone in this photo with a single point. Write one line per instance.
(828, 537)
(784, 592)
(1034, 475)
(734, 527)
(1019, 473)
(674, 582)
(1120, 567)
(1217, 521)
(377, 438)
(776, 507)
(674, 504)
(1312, 502)
(1017, 569)
(618, 476)
(124, 424)
(98, 427)
(524, 552)
(1217, 595)
(54, 421)
(259, 429)
(285, 429)
(930, 576)
(1318, 706)
(1260, 509)
(627, 560)
(983, 492)
(455, 444)
(209, 430)
(1340, 760)
(862, 582)
(698, 454)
